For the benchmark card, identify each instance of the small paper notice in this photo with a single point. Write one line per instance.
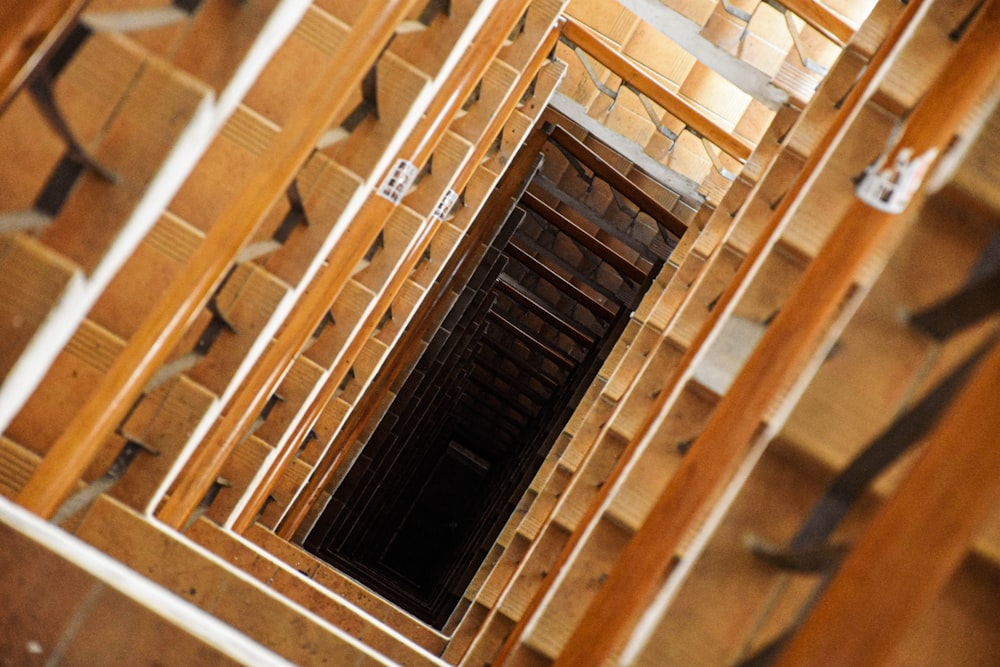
(398, 182)
(891, 189)
(445, 204)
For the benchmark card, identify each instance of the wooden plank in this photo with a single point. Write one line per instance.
(916, 541)
(163, 421)
(325, 603)
(157, 113)
(543, 271)
(521, 297)
(16, 465)
(29, 31)
(205, 580)
(36, 285)
(618, 181)
(788, 341)
(149, 347)
(101, 610)
(634, 76)
(531, 340)
(586, 239)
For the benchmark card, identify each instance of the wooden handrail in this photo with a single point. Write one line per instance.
(822, 19)
(633, 75)
(777, 222)
(546, 273)
(915, 542)
(618, 181)
(787, 343)
(586, 239)
(121, 386)
(532, 305)
(29, 31)
(421, 143)
(324, 469)
(531, 340)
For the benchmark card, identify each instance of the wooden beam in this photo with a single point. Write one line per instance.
(530, 339)
(545, 185)
(915, 542)
(506, 286)
(831, 25)
(149, 347)
(29, 31)
(473, 404)
(542, 270)
(791, 338)
(576, 275)
(641, 81)
(474, 62)
(534, 371)
(477, 421)
(490, 389)
(585, 238)
(618, 181)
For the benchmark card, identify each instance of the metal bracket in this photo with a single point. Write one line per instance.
(578, 167)
(368, 106)
(296, 214)
(348, 378)
(647, 104)
(376, 245)
(582, 55)
(964, 24)
(386, 318)
(739, 13)
(324, 323)
(813, 559)
(979, 299)
(310, 436)
(206, 502)
(41, 90)
(263, 508)
(86, 496)
(716, 162)
(807, 62)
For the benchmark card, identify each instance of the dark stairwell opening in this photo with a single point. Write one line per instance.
(570, 258)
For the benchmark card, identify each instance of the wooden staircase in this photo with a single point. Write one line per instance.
(251, 252)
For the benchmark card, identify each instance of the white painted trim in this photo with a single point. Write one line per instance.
(354, 609)
(117, 576)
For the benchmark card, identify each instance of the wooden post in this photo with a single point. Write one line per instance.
(786, 344)
(149, 347)
(915, 542)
